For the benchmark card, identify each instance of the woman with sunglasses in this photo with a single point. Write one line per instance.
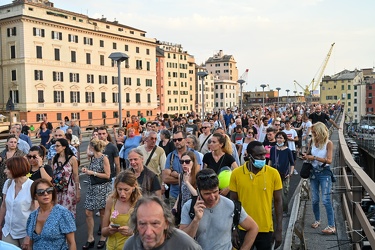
(88, 151)
(17, 202)
(187, 182)
(119, 206)
(220, 156)
(65, 176)
(245, 141)
(36, 160)
(51, 226)
(11, 150)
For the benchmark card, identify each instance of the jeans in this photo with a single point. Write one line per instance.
(322, 180)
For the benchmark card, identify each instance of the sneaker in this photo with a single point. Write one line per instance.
(329, 230)
(295, 172)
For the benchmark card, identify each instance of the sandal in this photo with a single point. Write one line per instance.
(315, 224)
(329, 230)
(101, 244)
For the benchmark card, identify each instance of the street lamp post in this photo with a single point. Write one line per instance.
(119, 57)
(263, 86)
(295, 95)
(278, 96)
(287, 95)
(241, 82)
(202, 75)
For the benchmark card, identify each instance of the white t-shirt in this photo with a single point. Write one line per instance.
(305, 127)
(17, 209)
(291, 134)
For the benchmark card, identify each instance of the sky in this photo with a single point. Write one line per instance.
(279, 41)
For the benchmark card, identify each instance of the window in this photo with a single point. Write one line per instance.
(102, 60)
(56, 35)
(128, 81)
(148, 66)
(147, 51)
(148, 82)
(138, 64)
(102, 79)
(114, 80)
(88, 58)
(101, 43)
(126, 47)
(74, 77)
(12, 31)
(72, 38)
(12, 51)
(39, 52)
(90, 78)
(13, 94)
(58, 96)
(342, 87)
(349, 96)
(57, 54)
(74, 97)
(149, 98)
(73, 56)
(75, 116)
(90, 97)
(14, 75)
(38, 32)
(138, 81)
(115, 114)
(103, 97)
(137, 97)
(104, 115)
(115, 97)
(58, 76)
(136, 49)
(127, 97)
(88, 41)
(114, 46)
(40, 96)
(39, 117)
(89, 115)
(38, 75)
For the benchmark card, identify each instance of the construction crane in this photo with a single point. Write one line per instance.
(309, 89)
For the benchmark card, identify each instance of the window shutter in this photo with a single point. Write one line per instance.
(35, 75)
(69, 37)
(8, 32)
(54, 95)
(78, 97)
(71, 96)
(54, 76)
(42, 32)
(87, 97)
(52, 33)
(60, 36)
(71, 77)
(76, 39)
(16, 97)
(61, 76)
(62, 96)
(34, 31)
(93, 97)
(105, 77)
(41, 75)
(77, 77)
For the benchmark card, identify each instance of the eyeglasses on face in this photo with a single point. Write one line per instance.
(31, 157)
(206, 177)
(185, 161)
(177, 139)
(41, 192)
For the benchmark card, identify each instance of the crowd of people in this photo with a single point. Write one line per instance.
(176, 181)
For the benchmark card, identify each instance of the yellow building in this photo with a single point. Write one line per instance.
(345, 87)
(55, 63)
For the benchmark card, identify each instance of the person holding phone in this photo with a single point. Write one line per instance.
(282, 159)
(119, 206)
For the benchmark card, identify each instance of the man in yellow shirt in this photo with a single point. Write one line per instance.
(256, 185)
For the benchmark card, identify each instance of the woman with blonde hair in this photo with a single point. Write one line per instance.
(99, 186)
(119, 206)
(220, 155)
(321, 176)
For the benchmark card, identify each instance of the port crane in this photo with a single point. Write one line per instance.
(309, 89)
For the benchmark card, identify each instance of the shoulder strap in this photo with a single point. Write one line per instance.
(171, 162)
(205, 141)
(150, 156)
(191, 211)
(236, 213)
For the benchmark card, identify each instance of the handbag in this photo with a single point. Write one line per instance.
(97, 180)
(306, 170)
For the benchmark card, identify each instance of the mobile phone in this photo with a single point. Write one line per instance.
(199, 194)
(115, 225)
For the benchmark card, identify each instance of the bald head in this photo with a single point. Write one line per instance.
(59, 133)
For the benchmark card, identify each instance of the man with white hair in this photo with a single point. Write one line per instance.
(204, 137)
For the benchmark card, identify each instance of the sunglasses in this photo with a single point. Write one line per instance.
(31, 157)
(277, 124)
(185, 161)
(206, 177)
(204, 127)
(178, 139)
(41, 192)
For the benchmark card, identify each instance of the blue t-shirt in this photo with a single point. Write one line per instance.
(174, 188)
(53, 236)
(130, 143)
(44, 136)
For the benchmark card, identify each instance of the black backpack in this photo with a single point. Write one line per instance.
(236, 211)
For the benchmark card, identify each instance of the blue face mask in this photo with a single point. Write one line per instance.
(280, 144)
(259, 163)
